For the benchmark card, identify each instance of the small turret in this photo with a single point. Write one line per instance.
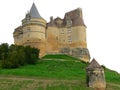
(95, 76)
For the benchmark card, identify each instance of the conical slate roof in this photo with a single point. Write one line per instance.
(94, 64)
(34, 12)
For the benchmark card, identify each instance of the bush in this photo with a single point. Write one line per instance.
(32, 54)
(6, 64)
(14, 56)
(12, 60)
(3, 51)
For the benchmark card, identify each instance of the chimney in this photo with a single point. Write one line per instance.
(51, 18)
(80, 12)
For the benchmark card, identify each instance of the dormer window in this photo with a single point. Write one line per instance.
(68, 21)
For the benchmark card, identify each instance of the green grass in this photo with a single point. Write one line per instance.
(12, 84)
(9, 84)
(67, 87)
(55, 69)
(19, 84)
(112, 76)
(50, 69)
(59, 57)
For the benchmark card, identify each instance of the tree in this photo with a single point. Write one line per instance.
(21, 57)
(3, 51)
(14, 56)
(12, 60)
(32, 54)
(28, 54)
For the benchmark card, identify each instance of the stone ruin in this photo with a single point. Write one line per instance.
(95, 76)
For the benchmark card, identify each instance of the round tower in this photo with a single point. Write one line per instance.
(33, 27)
(32, 31)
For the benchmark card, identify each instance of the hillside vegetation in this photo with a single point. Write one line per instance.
(14, 56)
(53, 72)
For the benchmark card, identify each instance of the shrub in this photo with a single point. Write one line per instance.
(32, 54)
(3, 51)
(14, 56)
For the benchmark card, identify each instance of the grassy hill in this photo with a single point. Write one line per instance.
(53, 72)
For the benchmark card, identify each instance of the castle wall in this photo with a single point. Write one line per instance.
(34, 31)
(72, 37)
(63, 35)
(37, 44)
(19, 39)
(37, 21)
(52, 37)
(79, 37)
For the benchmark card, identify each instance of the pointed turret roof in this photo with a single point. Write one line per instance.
(94, 64)
(34, 12)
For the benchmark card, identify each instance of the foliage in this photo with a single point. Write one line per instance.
(37, 84)
(12, 60)
(50, 69)
(32, 55)
(59, 70)
(112, 76)
(14, 56)
(25, 83)
(3, 51)
(56, 70)
(11, 84)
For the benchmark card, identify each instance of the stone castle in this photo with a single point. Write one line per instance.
(66, 36)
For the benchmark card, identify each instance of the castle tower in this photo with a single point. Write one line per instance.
(32, 31)
(95, 76)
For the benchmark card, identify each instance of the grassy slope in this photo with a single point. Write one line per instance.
(50, 69)
(60, 57)
(56, 68)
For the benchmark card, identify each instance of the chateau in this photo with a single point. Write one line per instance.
(66, 36)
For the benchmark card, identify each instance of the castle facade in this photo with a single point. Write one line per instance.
(67, 35)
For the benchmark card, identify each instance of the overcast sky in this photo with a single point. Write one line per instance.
(102, 18)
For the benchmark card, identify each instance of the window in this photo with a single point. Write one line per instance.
(28, 29)
(69, 30)
(69, 39)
